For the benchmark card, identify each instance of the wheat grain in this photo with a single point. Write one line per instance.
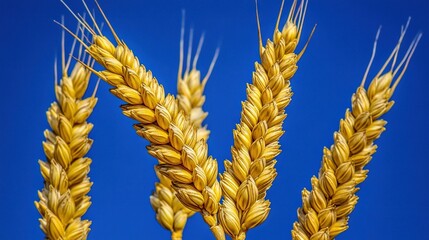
(256, 140)
(63, 200)
(326, 208)
(171, 213)
(167, 128)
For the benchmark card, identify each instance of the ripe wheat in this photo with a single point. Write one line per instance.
(63, 200)
(188, 176)
(326, 208)
(256, 140)
(184, 158)
(170, 212)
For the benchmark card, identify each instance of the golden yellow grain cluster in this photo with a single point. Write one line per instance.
(256, 140)
(63, 200)
(170, 212)
(173, 132)
(187, 174)
(326, 207)
(172, 135)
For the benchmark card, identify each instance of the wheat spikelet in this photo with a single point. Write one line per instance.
(63, 200)
(256, 140)
(190, 87)
(172, 136)
(171, 213)
(326, 208)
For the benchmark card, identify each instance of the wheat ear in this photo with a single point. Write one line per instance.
(170, 212)
(326, 208)
(256, 139)
(63, 200)
(172, 136)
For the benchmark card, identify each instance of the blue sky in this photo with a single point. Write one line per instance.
(393, 200)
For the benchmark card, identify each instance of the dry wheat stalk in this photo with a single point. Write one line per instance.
(170, 212)
(173, 137)
(256, 140)
(326, 208)
(63, 200)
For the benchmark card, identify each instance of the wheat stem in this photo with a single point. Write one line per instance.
(63, 200)
(256, 139)
(326, 207)
(177, 235)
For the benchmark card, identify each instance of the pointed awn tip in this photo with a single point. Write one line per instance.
(402, 66)
(374, 50)
(258, 22)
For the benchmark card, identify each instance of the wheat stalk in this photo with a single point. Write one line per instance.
(256, 140)
(168, 129)
(170, 212)
(326, 208)
(63, 200)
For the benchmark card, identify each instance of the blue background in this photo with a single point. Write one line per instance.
(394, 200)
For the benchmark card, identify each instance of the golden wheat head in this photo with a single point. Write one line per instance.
(169, 129)
(256, 140)
(170, 212)
(326, 207)
(63, 200)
